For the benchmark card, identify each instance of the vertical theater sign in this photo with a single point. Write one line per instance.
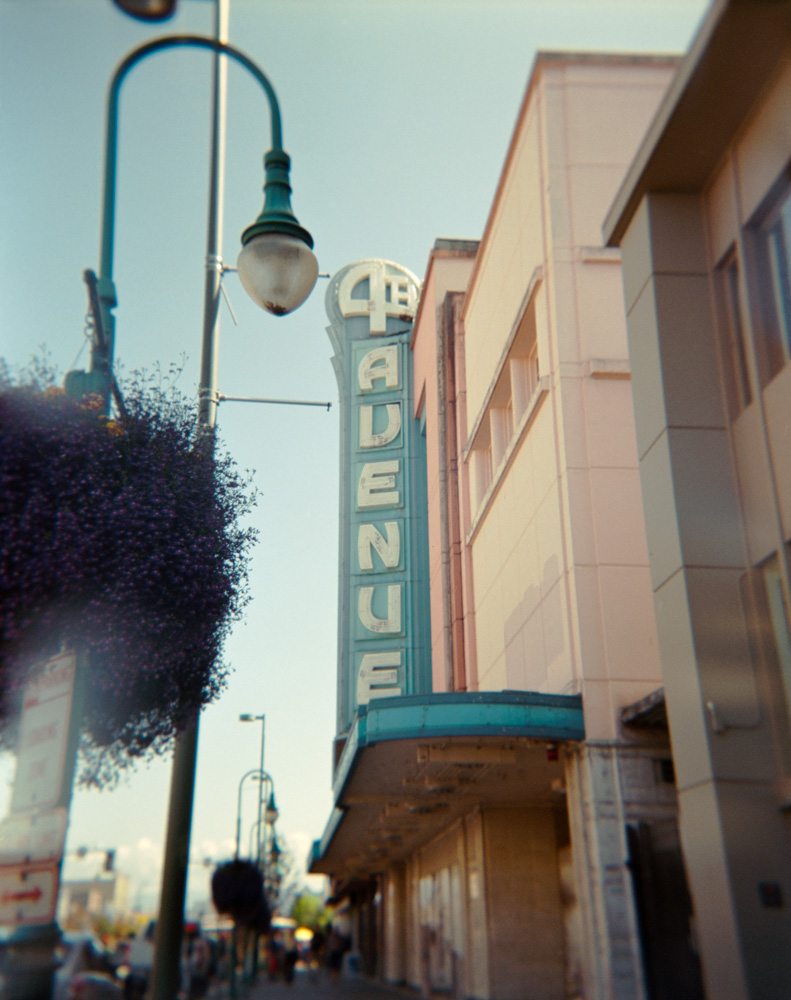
(384, 628)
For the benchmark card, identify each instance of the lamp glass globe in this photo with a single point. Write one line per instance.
(277, 271)
(147, 10)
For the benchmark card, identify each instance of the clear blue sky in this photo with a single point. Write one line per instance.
(397, 115)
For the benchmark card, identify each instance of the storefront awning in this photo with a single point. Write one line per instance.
(411, 766)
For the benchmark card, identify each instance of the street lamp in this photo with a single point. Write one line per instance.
(279, 270)
(261, 776)
(148, 10)
(262, 719)
(270, 818)
(276, 264)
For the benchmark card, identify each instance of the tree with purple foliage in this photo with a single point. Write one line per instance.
(122, 538)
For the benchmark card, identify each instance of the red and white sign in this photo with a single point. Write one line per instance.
(33, 836)
(28, 894)
(43, 735)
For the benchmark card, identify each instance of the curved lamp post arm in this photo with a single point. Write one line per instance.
(276, 219)
(111, 139)
(264, 777)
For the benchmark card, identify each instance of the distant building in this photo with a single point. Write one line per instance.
(506, 834)
(104, 895)
(704, 221)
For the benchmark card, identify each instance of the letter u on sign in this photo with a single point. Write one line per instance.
(382, 626)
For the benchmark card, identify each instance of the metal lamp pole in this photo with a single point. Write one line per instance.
(262, 720)
(262, 776)
(273, 237)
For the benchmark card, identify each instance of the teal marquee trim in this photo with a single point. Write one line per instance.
(491, 715)
(553, 717)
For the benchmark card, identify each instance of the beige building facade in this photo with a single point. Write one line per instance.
(704, 222)
(514, 835)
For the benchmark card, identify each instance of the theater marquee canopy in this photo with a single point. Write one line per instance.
(412, 765)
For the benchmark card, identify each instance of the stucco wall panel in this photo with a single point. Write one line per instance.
(609, 423)
(663, 535)
(572, 413)
(562, 282)
(591, 190)
(629, 624)
(580, 530)
(529, 567)
(599, 720)
(689, 394)
(535, 655)
(513, 249)
(709, 518)
(543, 454)
(489, 629)
(550, 540)
(689, 357)
(597, 98)
(617, 510)
(648, 390)
(666, 236)
(485, 557)
(586, 602)
(557, 648)
(602, 318)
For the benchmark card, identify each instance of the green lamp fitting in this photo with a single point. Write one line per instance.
(277, 215)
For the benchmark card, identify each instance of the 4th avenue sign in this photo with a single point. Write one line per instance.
(384, 647)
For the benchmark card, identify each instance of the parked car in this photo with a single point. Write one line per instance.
(85, 970)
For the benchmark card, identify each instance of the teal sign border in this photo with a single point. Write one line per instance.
(384, 627)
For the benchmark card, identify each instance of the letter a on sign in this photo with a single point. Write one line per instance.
(381, 363)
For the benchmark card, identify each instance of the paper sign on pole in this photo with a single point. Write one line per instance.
(28, 894)
(33, 836)
(43, 735)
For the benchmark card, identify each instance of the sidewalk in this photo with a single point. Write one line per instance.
(318, 986)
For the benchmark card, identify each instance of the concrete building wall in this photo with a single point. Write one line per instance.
(449, 270)
(552, 561)
(562, 591)
(560, 563)
(711, 388)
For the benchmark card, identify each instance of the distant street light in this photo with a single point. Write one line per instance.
(262, 720)
(261, 776)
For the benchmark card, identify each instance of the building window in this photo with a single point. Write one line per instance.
(509, 404)
(737, 373)
(481, 462)
(523, 363)
(778, 617)
(773, 257)
(773, 634)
